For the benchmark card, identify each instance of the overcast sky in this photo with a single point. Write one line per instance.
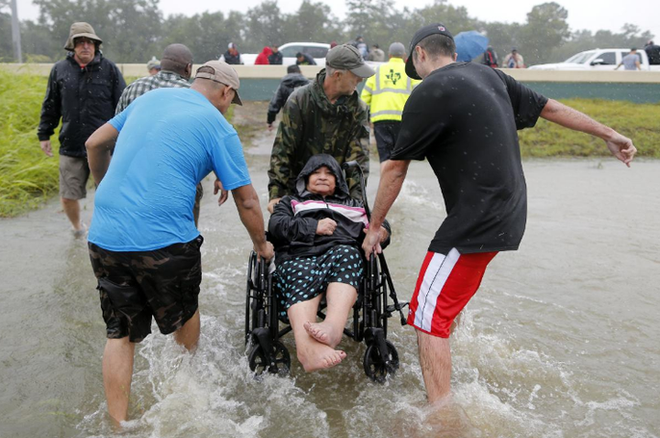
(583, 14)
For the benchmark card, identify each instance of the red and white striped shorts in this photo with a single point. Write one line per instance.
(445, 285)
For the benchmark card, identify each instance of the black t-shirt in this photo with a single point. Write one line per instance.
(464, 119)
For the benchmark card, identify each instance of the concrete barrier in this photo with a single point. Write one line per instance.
(260, 82)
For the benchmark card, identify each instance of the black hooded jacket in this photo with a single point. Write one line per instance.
(289, 83)
(292, 227)
(85, 98)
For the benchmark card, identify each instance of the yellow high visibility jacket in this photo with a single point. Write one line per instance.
(387, 91)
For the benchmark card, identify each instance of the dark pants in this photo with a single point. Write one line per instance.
(136, 286)
(386, 133)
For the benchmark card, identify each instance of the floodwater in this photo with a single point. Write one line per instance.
(562, 340)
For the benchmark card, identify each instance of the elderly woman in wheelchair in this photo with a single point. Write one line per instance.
(317, 235)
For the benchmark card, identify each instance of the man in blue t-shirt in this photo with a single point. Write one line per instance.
(143, 242)
(463, 118)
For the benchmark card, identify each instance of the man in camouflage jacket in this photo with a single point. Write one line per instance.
(325, 116)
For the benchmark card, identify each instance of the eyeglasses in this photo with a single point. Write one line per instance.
(83, 41)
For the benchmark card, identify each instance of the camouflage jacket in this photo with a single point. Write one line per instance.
(312, 125)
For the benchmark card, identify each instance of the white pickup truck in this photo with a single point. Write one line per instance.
(597, 59)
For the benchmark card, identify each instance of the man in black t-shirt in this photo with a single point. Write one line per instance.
(463, 118)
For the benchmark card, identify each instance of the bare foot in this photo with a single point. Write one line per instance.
(324, 333)
(318, 357)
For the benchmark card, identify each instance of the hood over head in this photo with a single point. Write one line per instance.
(316, 161)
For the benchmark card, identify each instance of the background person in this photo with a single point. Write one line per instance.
(304, 59)
(232, 56)
(83, 90)
(153, 66)
(463, 119)
(263, 57)
(293, 79)
(653, 52)
(143, 243)
(326, 116)
(175, 71)
(490, 57)
(376, 54)
(630, 61)
(386, 93)
(275, 58)
(316, 232)
(514, 60)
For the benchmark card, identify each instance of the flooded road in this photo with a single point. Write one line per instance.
(560, 341)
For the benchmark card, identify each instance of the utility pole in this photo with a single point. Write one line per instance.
(16, 32)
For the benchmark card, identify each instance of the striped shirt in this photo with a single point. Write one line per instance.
(163, 79)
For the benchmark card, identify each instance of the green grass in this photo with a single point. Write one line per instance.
(637, 121)
(27, 175)
(28, 178)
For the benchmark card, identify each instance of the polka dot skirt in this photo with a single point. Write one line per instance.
(304, 278)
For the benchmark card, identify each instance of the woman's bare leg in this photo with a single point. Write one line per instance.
(341, 298)
(312, 354)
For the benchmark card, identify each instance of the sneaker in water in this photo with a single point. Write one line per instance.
(81, 233)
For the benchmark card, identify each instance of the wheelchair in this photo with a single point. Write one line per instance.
(370, 314)
(370, 317)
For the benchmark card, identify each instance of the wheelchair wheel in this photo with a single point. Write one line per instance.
(259, 362)
(375, 367)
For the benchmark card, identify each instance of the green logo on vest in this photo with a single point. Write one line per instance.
(393, 76)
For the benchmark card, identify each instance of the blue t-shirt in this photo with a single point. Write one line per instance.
(169, 139)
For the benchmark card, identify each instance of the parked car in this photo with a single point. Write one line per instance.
(598, 59)
(289, 50)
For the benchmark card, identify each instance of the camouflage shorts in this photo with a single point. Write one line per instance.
(134, 286)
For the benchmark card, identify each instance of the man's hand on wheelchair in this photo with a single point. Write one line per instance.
(372, 241)
(266, 251)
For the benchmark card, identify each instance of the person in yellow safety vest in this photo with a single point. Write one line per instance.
(386, 94)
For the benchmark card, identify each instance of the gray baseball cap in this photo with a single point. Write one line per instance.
(224, 74)
(397, 49)
(347, 57)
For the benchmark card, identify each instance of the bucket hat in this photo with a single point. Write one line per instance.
(81, 30)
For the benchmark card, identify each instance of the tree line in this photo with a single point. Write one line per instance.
(135, 30)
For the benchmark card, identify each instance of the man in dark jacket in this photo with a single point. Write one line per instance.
(232, 56)
(653, 52)
(83, 90)
(490, 57)
(304, 59)
(326, 116)
(290, 82)
(275, 58)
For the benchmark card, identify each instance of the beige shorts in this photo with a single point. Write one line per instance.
(74, 173)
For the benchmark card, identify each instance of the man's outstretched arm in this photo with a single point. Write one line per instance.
(249, 210)
(621, 147)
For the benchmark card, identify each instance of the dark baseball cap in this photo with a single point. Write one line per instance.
(347, 57)
(426, 31)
